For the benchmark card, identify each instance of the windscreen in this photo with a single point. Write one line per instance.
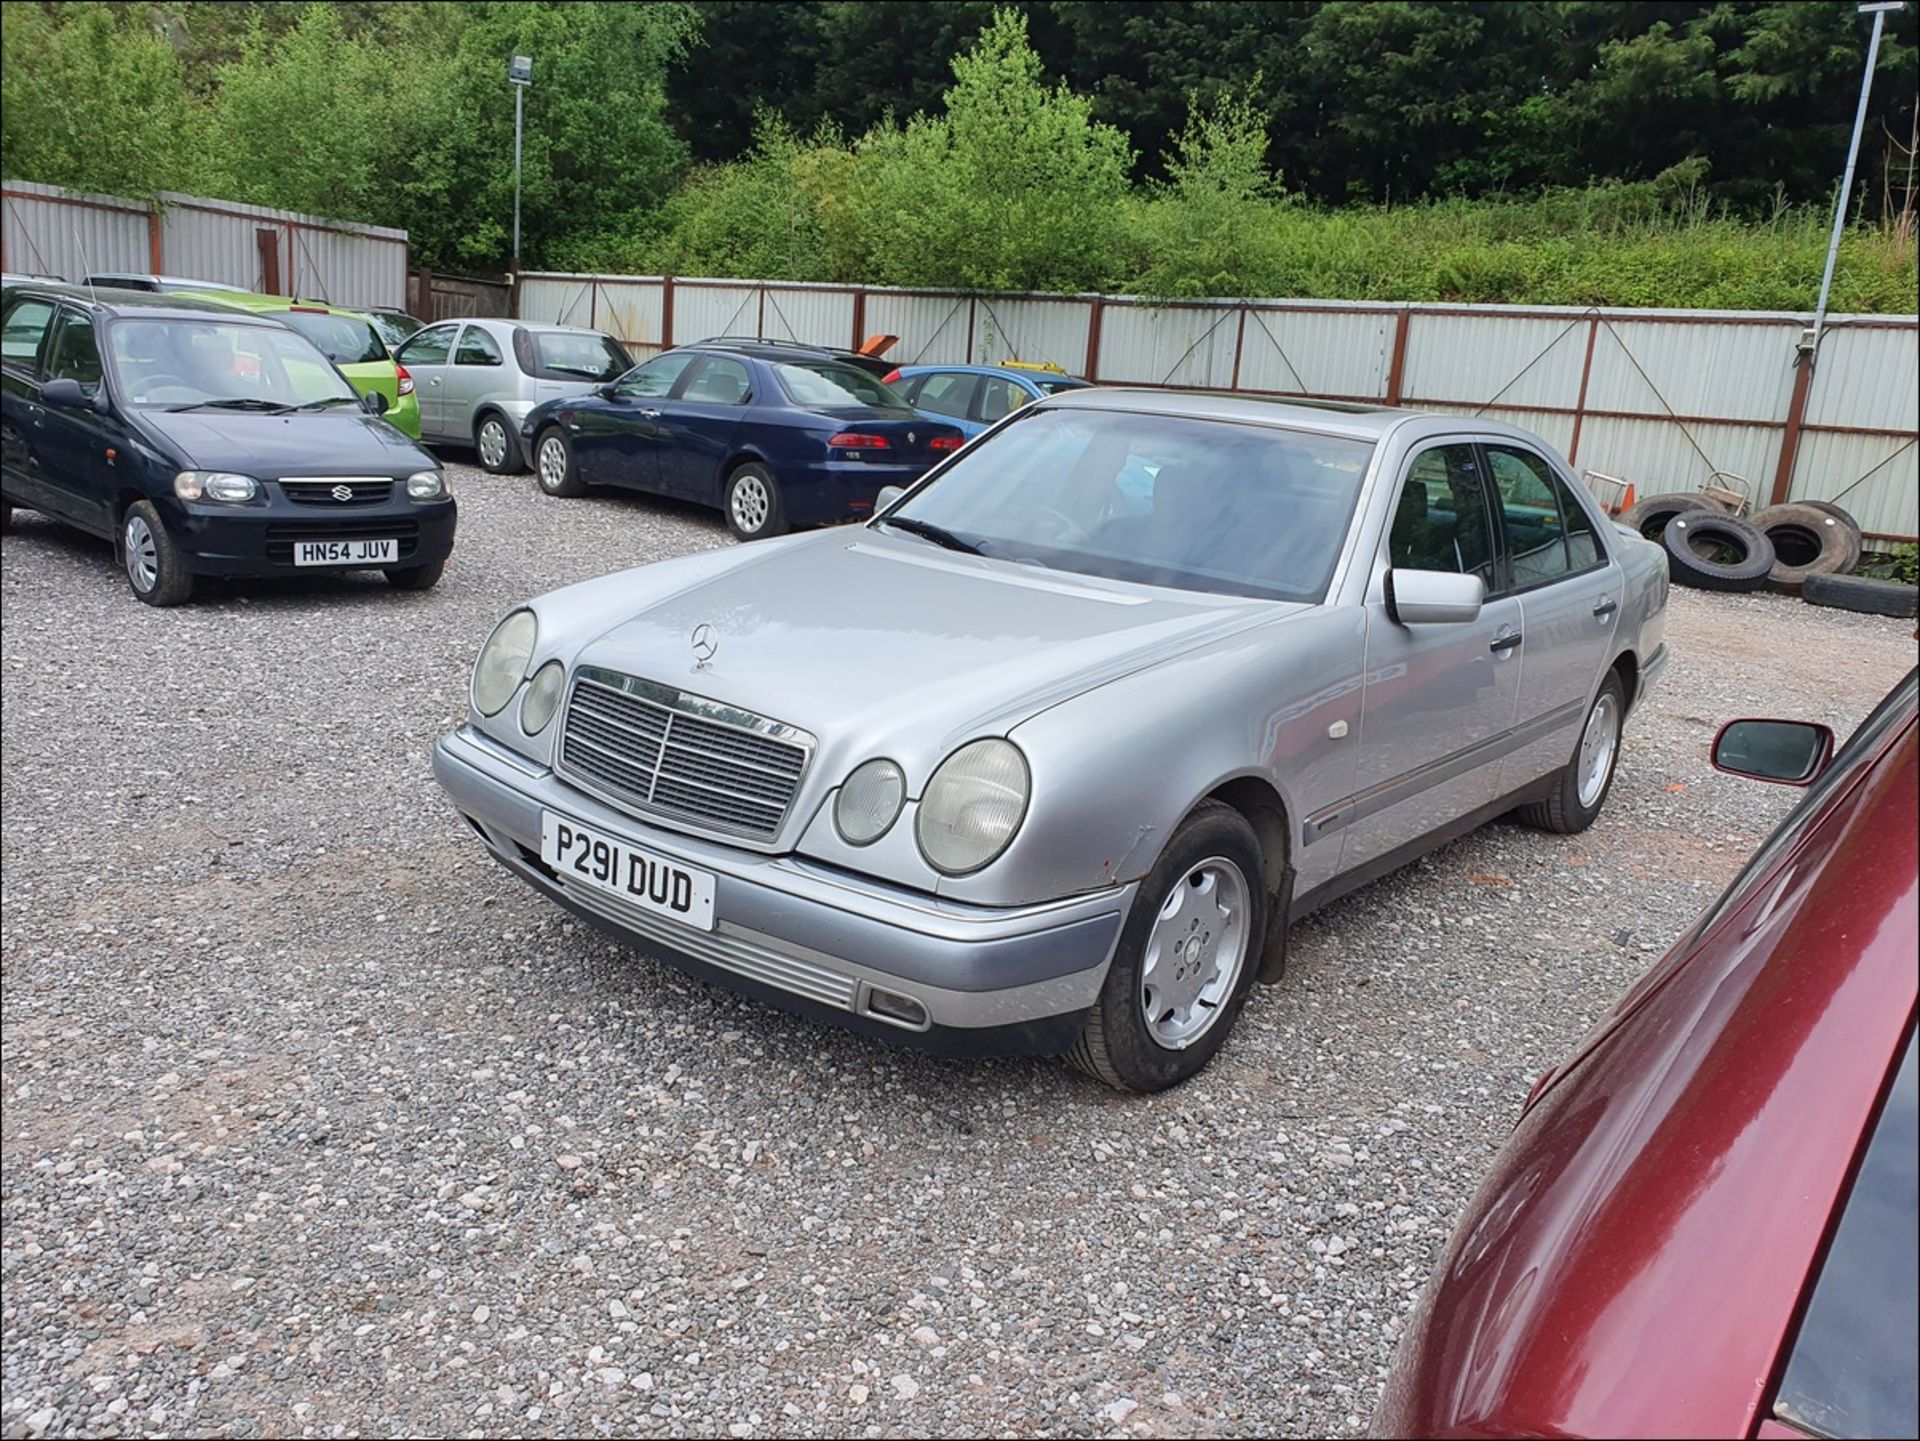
(343, 339)
(1201, 505)
(182, 363)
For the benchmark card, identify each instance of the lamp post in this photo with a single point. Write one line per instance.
(520, 76)
(1878, 9)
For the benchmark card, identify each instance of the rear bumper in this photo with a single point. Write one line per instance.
(811, 938)
(259, 539)
(840, 490)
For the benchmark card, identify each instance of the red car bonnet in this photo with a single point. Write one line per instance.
(1633, 1263)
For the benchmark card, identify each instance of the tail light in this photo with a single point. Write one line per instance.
(891, 377)
(945, 442)
(406, 381)
(857, 440)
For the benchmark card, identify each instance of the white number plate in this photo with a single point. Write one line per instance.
(345, 552)
(584, 856)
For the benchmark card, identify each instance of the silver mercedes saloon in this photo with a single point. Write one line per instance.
(1049, 754)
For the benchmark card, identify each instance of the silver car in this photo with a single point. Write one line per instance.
(1050, 753)
(477, 379)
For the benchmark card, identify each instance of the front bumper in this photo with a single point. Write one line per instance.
(809, 937)
(258, 539)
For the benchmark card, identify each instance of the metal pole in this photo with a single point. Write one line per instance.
(520, 95)
(1846, 183)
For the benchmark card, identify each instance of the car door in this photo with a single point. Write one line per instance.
(1568, 586)
(1437, 701)
(617, 437)
(426, 356)
(698, 424)
(999, 397)
(80, 446)
(24, 331)
(478, 373)
(948, 395)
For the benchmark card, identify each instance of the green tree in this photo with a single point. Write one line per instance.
(1210, 228)
(1014, 187)
(94, 100)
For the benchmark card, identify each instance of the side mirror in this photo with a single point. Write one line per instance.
(374, 403)
(887, 496)
(67, 394)
(607, 391)
(1788, 753)
(1434, 597)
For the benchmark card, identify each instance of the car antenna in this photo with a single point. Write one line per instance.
(81, 246)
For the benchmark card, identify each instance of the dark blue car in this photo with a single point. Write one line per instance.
(204, 441)
(773, 435)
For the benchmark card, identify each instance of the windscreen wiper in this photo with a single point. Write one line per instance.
(231, 402)
(938, 534)
(325, 401)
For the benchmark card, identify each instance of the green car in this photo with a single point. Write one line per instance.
(347, 338)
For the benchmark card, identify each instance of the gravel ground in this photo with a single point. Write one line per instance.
(318, 1123)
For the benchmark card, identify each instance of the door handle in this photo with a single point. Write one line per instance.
(1504, 642)
(651, 414)
(435, 380)
(1608, 605)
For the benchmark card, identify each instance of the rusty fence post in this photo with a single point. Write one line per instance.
(1580, 405)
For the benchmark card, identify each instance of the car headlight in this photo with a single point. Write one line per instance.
(219, 485)
(972, 806)
(869, 802)
(503, 662)
(542, 698)
(427, 485)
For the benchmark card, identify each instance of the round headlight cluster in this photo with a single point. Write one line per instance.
(503, 662)
(221, 485)
(542, 698)
(869, 802)
(427, 485)
(972, 806)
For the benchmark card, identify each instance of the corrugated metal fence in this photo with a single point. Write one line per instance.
(46, 230)
(1667, 399)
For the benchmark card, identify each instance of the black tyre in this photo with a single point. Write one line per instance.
(1862, 595)
(415, 577)
(1185, 960)
(1845, 517)
(1717, 552)
(553, 465)
(1582, 787)
(496, 446)
(752, 502)
(1806, 541)
(1650, 516)
(151, 560)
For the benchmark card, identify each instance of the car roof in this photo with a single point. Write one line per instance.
(1032, 374)
(771, 350)
(1337, 417)
(109, 301)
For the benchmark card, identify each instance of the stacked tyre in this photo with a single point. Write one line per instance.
(1808, 539)
(1711, 550)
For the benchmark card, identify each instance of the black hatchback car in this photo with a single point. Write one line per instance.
(202, 441)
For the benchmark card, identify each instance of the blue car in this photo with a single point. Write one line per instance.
(973, 397)
(774, 435)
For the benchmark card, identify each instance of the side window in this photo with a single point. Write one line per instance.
(719, 381)
(1850, 1372)
(1531, 517)
(1441, 520)
(653, 380)
(477, 348)
(998, 396)
(947, 392)
(25, 327)
(429, 347)
(76, 352)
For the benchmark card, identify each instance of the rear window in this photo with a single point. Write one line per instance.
(569, 355)
(1054, 387)
(343, 339)
(829, 384)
